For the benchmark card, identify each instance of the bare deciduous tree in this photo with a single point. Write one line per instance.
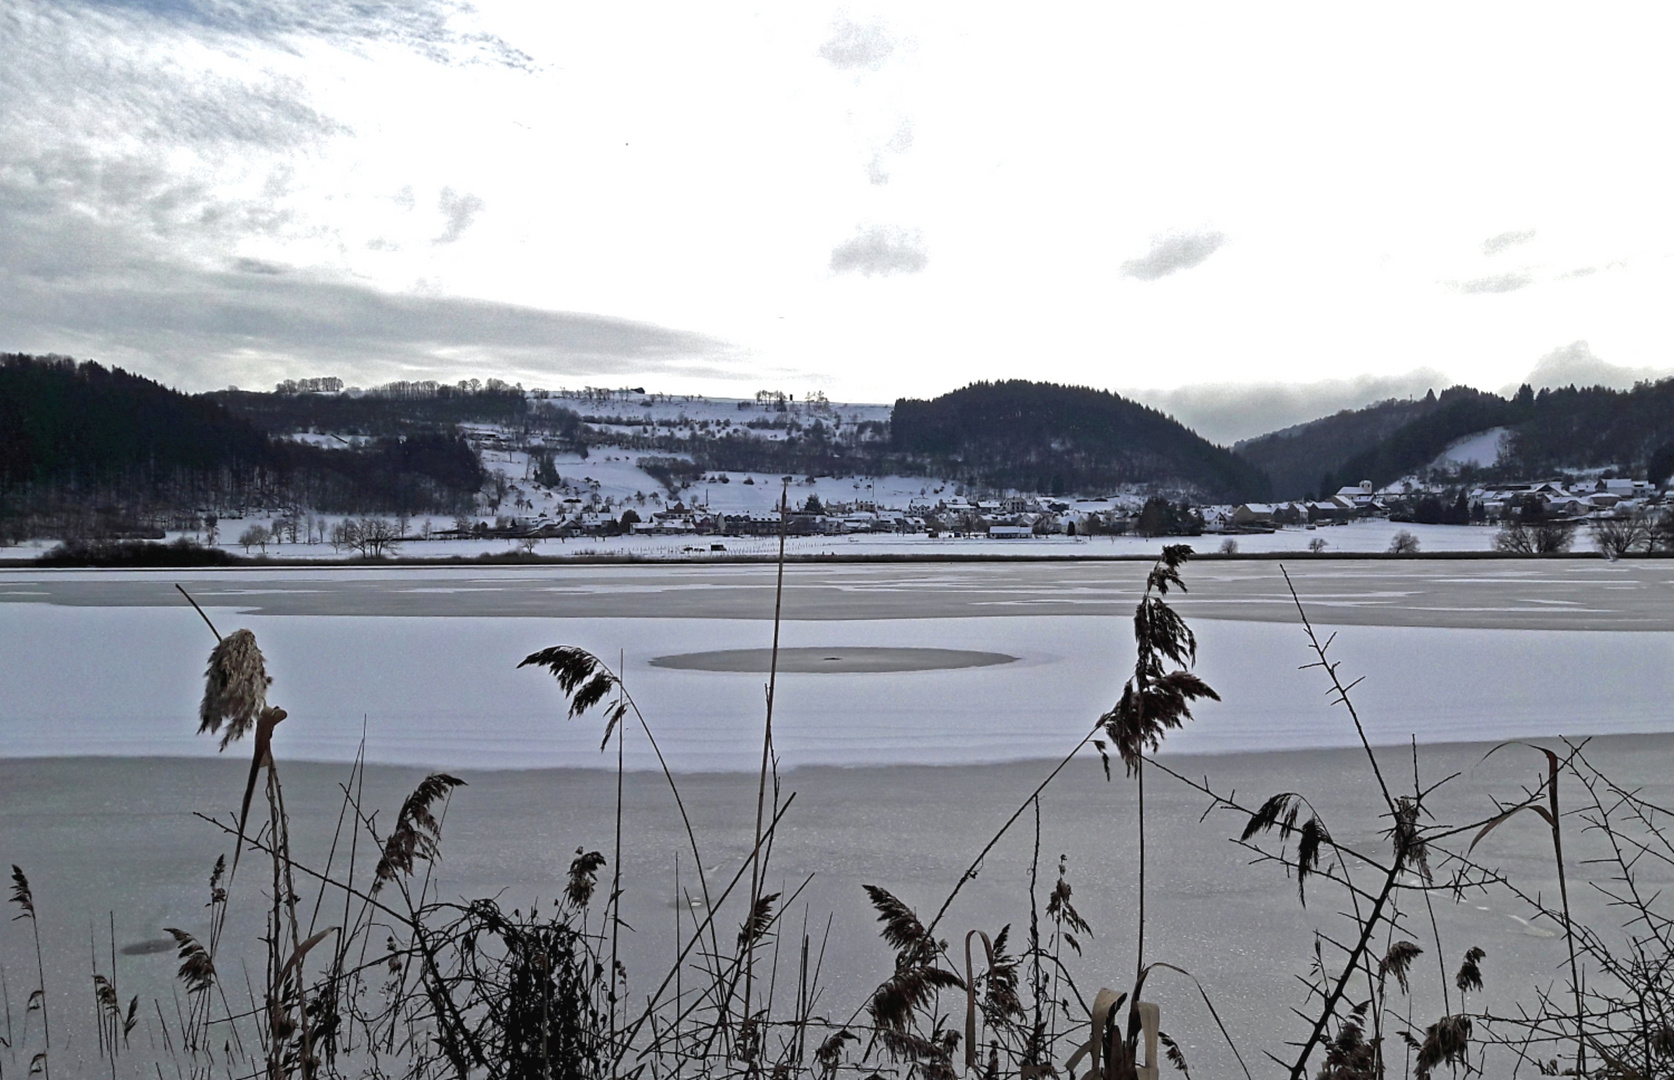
(254, 536)
(1624, 535)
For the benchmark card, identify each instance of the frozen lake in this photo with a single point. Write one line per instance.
(101, 769)
(425, 659)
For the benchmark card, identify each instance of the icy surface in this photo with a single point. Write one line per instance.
(447, 692)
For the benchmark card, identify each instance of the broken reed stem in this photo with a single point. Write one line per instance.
(697, 936)
(1569, 930)
(199, 610)
(766, 751)
(1341, 690)
(616, 875)
(971, 871)
(1139, 963)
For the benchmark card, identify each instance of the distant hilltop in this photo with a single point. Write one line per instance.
(1060, 440)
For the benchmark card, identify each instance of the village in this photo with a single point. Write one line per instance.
(722, 505)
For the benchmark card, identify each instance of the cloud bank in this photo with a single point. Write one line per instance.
(1574, 364)
(1226, 413)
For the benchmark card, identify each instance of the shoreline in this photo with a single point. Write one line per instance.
(515, 560)
(1046, 763)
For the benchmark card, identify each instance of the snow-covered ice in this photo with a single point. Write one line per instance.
(447, 692)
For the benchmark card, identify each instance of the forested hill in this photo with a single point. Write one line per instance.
(1380, 443)
(1297, 457)
(1059, 439)
(75, 438)
(1548, 432)
(63, 422)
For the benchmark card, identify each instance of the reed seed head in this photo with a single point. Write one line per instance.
(235, 687)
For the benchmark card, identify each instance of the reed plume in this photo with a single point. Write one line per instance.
(584, 877)
(24, 897)
(235, 687)
(417, 831)
(197, 970)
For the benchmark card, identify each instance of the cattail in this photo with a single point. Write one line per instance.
(235, 687)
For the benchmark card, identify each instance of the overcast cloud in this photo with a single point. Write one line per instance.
(1172, 254)
(1496, 244)
(675, 189)
(114, 157)
(879, 251)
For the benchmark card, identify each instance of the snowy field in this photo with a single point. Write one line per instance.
(1361, 537)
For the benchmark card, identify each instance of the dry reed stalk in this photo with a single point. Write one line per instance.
(24, 898)
(586, 680)
(626, 1042)
(1554, 820)
(756, 867)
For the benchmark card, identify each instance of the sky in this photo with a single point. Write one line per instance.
(1247, 215)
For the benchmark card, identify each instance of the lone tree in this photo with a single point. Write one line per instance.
(369, 537)
(1403, 543)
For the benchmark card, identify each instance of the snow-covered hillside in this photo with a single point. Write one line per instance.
(1481, 450)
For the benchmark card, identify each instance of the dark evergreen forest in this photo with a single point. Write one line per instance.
(1063, 439)
(90, 450)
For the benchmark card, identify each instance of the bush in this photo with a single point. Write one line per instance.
(1618, 536)
(121, 553)
(1537, 537)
